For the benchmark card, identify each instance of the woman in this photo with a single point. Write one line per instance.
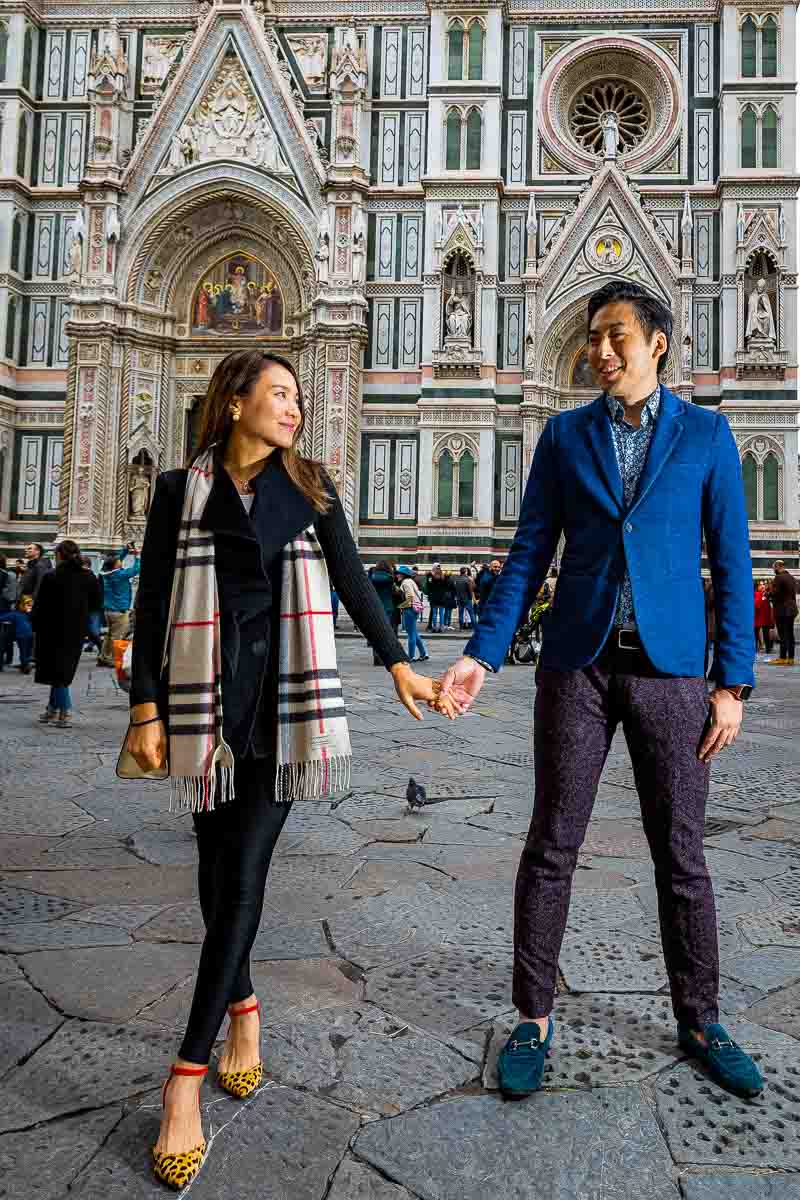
(410, 612)
(764, 618)
(59, 618)
(234, 596)
(437, 595)
(382, 578)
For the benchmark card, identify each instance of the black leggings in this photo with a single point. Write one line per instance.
(785, 628)
(235, 844)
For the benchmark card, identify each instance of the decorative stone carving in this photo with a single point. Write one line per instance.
(323, 251)
(228, 123)
(359, 247)
(159, 54)
(760, 328)
(619, 74)
(311, 52)
(459, 317)
(138, 493)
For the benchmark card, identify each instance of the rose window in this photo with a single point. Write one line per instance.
(609, 96)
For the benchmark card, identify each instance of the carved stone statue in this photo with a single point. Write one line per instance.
(739, 223)
(112, 224)
(760, 318)
(322, 253)
(359, 247)
(311, 52)
(610, 126)
(686, 355)
(75, 254)
(458, 315)
(138, 493)
(781, 225)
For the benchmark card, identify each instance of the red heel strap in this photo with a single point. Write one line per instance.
(241, 1011)
(180, 1071)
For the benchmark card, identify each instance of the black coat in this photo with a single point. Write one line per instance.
(59, 619)
(247, 561)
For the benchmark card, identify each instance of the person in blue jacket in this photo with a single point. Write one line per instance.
(117, 599)
(633, 481)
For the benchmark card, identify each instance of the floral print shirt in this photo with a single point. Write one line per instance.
(631, 446)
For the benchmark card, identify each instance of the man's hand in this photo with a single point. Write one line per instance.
(411, 687)
(463, 681)
(726, 714)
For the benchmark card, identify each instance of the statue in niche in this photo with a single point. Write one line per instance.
(322, 253)
(739, 223)
(311, 53)
(781, 225)
(138, 493)
(182, 149)
(359, 247)
(459, 317)
(75, 254)
(760, 327)
(610, 126)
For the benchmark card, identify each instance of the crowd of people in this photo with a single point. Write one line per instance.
(53, 608)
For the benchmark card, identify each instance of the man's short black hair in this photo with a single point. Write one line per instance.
(651, 313)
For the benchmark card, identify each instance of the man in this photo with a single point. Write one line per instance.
(95, 620)
(36, 568)
(464, 589)
(632, 481)
(487, 581)
(783, 595)
(117, 599)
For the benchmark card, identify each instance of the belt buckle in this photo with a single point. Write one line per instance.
(620, 639)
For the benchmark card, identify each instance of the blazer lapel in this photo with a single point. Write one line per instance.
(602, 442)
(667, 434)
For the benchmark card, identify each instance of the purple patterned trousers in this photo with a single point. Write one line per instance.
(663, 718)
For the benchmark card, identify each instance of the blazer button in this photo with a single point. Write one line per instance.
(259, 648)
(629, 528)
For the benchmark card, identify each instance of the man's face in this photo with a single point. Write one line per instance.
(778, 568)
(495, 566)
(32, 551)
(624, 359)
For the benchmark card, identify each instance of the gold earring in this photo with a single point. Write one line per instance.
(236, 412)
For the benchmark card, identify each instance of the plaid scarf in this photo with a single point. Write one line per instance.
(313, 744)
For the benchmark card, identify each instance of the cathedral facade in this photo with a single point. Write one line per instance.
(412, 200)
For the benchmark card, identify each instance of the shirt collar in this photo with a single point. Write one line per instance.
(616, 409)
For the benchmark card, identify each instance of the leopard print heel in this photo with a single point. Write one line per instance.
(178, 1170)
(242, 1084)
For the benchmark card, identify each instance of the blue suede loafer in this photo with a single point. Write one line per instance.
(520, 1064)
(725, 1062)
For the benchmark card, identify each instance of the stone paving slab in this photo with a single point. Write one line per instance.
(26, 1020)
(786, 887)
(740, 1186)
(600, 1041)
(164, 848)
(771, 968)
(603, 911)
(733, 897)
(59, 935)
(601, 963)
(125, 885)
(365, 1059)
(53, 1154)
(478, 1147)
(356, 1181)
(20, 906)
(446, 990)
(291, 941)
(41, 813)
(779, 1011)
(706, 1125)
(109, 984)
(752, 844)
(79, 851)
(780, 927)
(84, 1065)
(123, 916)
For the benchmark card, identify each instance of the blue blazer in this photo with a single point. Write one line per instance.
(691, 487)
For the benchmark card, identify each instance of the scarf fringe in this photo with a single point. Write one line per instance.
(201, 793)
(313, 779)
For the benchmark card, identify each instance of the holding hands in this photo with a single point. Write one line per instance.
(451, 696)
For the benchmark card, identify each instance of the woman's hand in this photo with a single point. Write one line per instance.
(147, 743)
(411, 687)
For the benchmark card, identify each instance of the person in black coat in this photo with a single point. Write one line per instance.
(264, 493)
(64, 600)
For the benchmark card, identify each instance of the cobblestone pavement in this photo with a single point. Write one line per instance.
(384, 966)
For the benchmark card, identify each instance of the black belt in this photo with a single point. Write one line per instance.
(624, 640)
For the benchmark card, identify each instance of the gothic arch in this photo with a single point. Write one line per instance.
(156, 225)
(560, 341)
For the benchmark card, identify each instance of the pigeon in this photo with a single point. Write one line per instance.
(415, 795)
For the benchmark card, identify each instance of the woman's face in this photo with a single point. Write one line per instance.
(271, 409)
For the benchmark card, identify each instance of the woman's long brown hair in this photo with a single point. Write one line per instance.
(235, 376)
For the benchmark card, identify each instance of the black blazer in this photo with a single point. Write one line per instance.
(247, 555)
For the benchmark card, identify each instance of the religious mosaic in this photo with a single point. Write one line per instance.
(238, 297)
